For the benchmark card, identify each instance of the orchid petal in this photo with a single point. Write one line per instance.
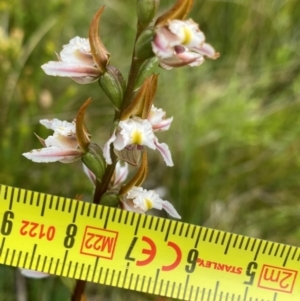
(164, 150)
(33, 274)
(89, 174)
(169, 208)
(53, 154)
(106, 148)
(69, 69)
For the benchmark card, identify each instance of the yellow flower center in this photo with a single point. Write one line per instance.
(149, 204)
(188, 35)
(137, 137)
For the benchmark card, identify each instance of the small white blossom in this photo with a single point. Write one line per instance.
(141, 200)
(33, 274)
(75, 61)
(61, 146)
(135, 131)
(181, 43)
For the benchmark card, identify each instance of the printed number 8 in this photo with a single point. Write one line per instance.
(70, 236)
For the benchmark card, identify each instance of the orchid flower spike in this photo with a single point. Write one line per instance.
(75, 61)
(141, 200)
(181, 43)
(137, 131)
(61, 146)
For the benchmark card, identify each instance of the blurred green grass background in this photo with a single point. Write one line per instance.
(235, 136)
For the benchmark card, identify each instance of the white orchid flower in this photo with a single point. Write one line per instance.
(141, 200)
(61, 146)
(135, 131)
(75, 61)
(181, 43)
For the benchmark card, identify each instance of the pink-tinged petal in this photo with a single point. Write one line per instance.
(53, 154)
(164, 125)
(69, 69)
(206, 50)
(63, 142)
(169, 208)
(89, 174)
(164, 151)
(33, 274)
(121, 173)
(106, 148)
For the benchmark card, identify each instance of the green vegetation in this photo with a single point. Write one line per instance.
(235, 138)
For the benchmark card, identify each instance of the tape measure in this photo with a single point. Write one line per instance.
(114, 247)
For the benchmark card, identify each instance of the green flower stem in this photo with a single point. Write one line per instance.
(101, 187)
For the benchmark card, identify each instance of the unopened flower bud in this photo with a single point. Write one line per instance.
(145, 71)
(94, 161)
(113, 85)
(146, 10)
(109, 199)
(143, 48)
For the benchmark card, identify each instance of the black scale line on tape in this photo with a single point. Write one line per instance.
(145, 221)
(112, 277)
(187, 230)
(37, 198)
(160, 287)
(137, 224)
(287, 256)
(235, 241)
(136, 282)
(257, 250)
(65, 260)
(95, 211)
(44, 205)
(69, 268)
(95, 268)
(149, 283)
(217, 238)
(101, 212)
(205, 234)
(143, 282)
(126, 217)
(51, 201)
(87, 272)
(32, 256)
(167, 287)
(11, 200)
(157, 224)
(82, 207)
(198, 237)
(125, 276)
(99, 275)
(63, 208)
(118, 279)
(151, 222)
(75, 211)
(38, 262)
(107, 217)
(75, 269)
(130, 281)
(57, 204)
(282, 252)
(89, 210)
(155, 281)
(175, 228)
(106, 275)
(294, 254)
(114, 215)
(277, 249)
(228, 244)
(178, 291)
(186, 286)
(168, 229)
(265, 247)
(6, 255)
(17, 197)
(211, 235)
(181, 229)
(2, 245)
(173, 290)
(19, 258)
(191, 292)
(120, 216)
(56, 266)
(216, 291)
(81, 270)
(163, 225)
(25, 196)
(132, 219)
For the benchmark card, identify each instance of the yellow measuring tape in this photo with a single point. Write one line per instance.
(140, 252)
